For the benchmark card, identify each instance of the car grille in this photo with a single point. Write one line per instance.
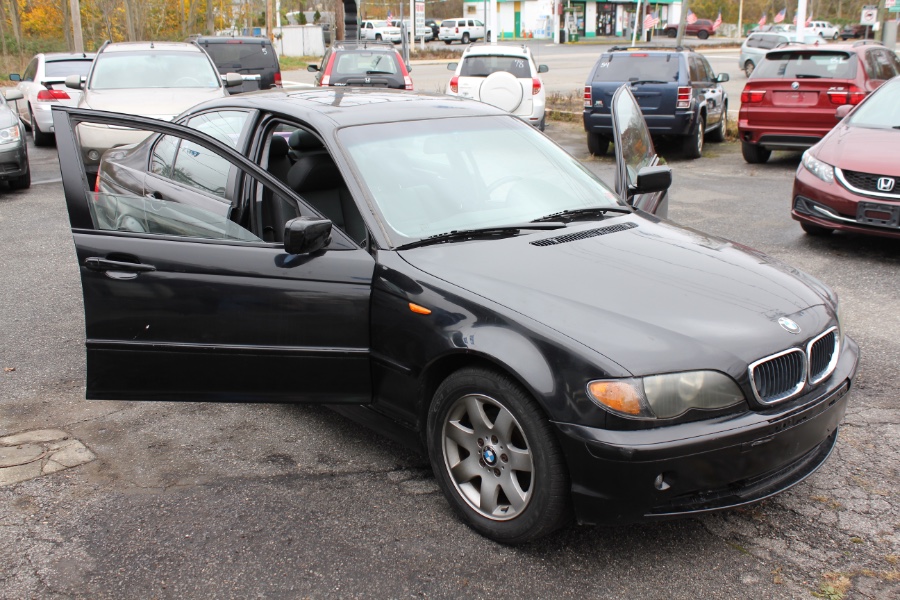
(583, 235)
(867, 182)
(784, 375)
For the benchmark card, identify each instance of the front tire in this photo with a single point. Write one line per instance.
(23, 182)
(718, 134)
(754, 153)
(597, 144)
(693, 142)
(378, 37)
(496, 458)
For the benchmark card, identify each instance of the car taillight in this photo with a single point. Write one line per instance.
(850, 95)
(751, 96)
(407, 82)
(684, 97)
(535, 86)
(97, 186)
(457, 30)
(588, 102)
(454, 84)
(52, 95)
(277, 79)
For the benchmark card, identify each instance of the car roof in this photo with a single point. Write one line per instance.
(53, 56)
(149, 46)
(367, 45)
(496, 49)
(331, 107)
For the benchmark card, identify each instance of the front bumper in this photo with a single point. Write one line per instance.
(833, 206)
(13, 160)
(626, 476)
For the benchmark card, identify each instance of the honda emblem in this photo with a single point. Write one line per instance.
(885, 184)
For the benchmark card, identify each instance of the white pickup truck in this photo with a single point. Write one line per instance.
(379, 31)
(461, 30)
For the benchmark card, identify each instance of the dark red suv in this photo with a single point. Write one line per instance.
(851, 179)
(789, 101)
(702, 28)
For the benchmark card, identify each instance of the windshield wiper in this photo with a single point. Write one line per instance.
(378, 72)
(807, 76)
(639, 81)
(470, 234)
(578, 213)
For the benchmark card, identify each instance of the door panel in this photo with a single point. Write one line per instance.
(183, 304)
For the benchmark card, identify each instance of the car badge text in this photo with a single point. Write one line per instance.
(789, 325)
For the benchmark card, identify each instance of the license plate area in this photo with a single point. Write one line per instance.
(881, 215)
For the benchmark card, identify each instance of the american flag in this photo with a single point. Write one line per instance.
(718, 21)
(691, 18)
(651, 21)
(762, 21)
(390, 18)
(780, 16)
(809, 20)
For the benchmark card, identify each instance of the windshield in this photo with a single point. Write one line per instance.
(467, 173)
(64, 68)
(380, 24)
(154, 69)
(483, 65)
(881, 110)
(799, 64)
(637, 66)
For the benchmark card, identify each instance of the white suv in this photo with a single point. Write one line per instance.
(461, 30)
(504, 76)
(824, 29)
(379, 31)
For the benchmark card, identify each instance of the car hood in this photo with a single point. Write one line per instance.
(159, 103)
(649, 295)
(861, 149)
(7, 117)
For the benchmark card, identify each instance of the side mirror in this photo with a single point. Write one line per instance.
(13, 95)
(842, 111)
(233, 79)
(15, 77)
(653, 179)
(74, 82)
(722, 77)
(312, 68)
(452, 66)
(305, 235)
(543, 68)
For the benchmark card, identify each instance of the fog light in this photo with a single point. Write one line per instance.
(660, 483)
(94, 155)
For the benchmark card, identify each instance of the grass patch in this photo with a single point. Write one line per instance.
(833, 587)
(12, 63)
(297, 63)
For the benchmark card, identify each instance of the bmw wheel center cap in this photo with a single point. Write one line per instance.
(489, 456)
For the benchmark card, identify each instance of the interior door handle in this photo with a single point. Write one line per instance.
(95, 263)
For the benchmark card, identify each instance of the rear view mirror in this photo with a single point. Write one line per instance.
(543, 68)
(233, 79)
(13, 95)
(452, 66)
(305, 235)
(842, 111)
(74, 82)
(722, 77)
(312, 68)
(653, 179)
(15, 77)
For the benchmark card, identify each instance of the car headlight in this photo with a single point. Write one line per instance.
(10, 135)
(666, 396)
(820, 169)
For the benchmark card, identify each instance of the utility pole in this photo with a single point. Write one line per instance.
(685, 9)
(269, 21)
(740, 32)
(76, 25)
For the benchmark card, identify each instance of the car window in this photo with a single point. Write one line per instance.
(884, 66)
(708, 74)
(482, 66)
(242, 55)
(155, 69)
(507, 172)
(880, 110)
(30, 70)
(365, 63)
(200, 168)
(800, 64)
(753, 41)
(64, 68)
(696, 69)
(637, 66)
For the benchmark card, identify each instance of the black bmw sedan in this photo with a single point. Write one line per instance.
(448, 275)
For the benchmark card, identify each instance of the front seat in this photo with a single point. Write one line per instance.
(317, 179)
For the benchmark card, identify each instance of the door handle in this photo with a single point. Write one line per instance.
(154, 195)
(95, 263)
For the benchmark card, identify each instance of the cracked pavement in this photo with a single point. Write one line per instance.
(237, 501)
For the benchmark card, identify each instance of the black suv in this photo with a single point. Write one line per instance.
(678, 92)
(362, 64)
(254, 58)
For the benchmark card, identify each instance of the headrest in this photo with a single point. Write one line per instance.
(278, 148)
(304, 140)
(314, 173)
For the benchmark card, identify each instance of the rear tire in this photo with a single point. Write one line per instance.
(40, 138)
(755, 154)
(748, 68)
(815, 230)
(465, 39)
(597, 144)
(835, 36)
(495, 457)
(543, 123)
(672, 33)
(693, 142)
(702, 34)
(448, 42)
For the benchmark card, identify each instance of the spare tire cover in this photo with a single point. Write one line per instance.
(503, 90)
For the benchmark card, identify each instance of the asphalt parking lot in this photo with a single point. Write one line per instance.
(185, 500)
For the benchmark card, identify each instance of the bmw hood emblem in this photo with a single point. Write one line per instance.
(789, 325)
(489, 456)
